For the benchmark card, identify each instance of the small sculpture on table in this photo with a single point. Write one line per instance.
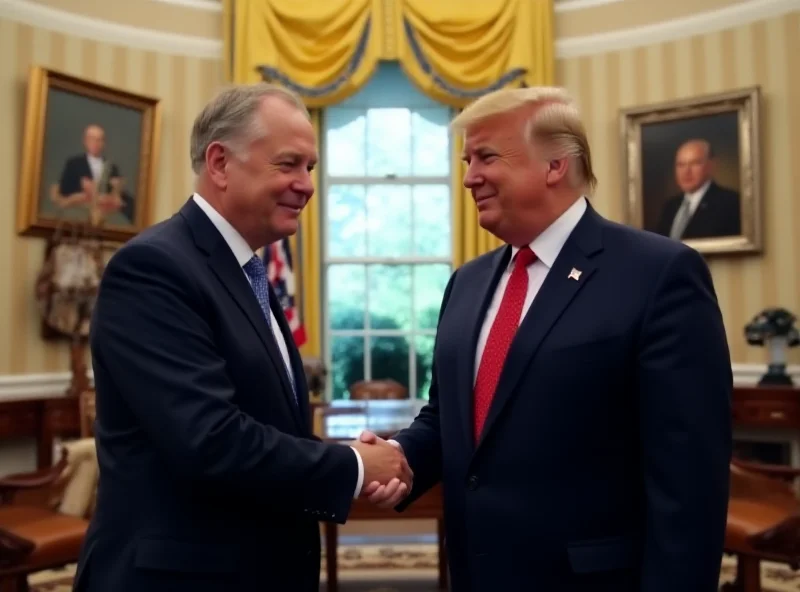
(775, 329)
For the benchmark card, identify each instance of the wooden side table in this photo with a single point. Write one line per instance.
(42, 419)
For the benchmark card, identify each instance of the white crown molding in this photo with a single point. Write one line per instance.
(38, 15)
(696, 24)
(204, 5)
(560, 5)
(573, 5)
(14, 387)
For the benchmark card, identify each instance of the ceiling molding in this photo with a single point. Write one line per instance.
(559, 6)
(38, 15)
(216, 5)
(696, 24)
(569, 5)
(14, 387)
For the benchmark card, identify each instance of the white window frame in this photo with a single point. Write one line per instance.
(326, 261)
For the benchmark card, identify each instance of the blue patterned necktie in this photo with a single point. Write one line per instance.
(255, 270)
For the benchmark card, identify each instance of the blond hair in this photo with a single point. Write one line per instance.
(230, 118)
(555, 123)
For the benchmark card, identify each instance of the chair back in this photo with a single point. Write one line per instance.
(375, 390)
(87, 412)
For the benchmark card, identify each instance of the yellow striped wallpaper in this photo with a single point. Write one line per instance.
(184, 84)
(758, 53)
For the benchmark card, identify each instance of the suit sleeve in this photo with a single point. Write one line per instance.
(421, 441)
(69, 182)
(685, 386)
(151, 335)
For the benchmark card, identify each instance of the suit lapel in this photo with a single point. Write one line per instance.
(227, 270)
(488, 277)
(554, 297)
(296, 363)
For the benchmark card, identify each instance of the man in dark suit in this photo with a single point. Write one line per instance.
(84, 179)
(210, 477)
(579, 414)
(703, 209)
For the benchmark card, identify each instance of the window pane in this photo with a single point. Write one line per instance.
(346, 215)
(347, 364)
(431, 155)
(432, 220)
(346, 286)
(390, 297)
(424, 351)
(390, 358)
(389, 220)
(429, 284)
(345, 142)
(388, 142)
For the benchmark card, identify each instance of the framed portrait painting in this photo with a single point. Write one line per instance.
(692, 170)
(88, 157)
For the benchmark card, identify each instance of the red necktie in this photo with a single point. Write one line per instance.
(500, 337)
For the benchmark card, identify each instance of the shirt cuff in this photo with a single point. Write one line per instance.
(360, 482)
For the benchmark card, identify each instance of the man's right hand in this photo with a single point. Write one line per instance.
(384, 463)
(385, 494)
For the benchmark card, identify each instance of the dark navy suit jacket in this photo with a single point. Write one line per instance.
(210, 478)
(718, 214)
(604, 461)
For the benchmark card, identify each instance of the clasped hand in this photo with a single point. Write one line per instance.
(387, 476)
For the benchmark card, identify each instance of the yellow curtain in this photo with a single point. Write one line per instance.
(326, 50)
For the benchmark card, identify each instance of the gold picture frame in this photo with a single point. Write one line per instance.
(664, 170)
(89, 154)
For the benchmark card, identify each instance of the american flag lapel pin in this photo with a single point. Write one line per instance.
(575, 274)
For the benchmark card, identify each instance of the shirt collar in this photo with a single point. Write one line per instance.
(695, 196)
(548, 244)
(241, 250)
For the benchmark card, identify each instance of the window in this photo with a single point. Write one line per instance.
(387, 232)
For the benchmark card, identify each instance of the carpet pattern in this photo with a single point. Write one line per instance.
(407, 568)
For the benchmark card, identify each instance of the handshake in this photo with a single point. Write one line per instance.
(387, 476)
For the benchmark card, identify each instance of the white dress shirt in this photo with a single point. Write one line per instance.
(243, 253)
(95, 165)
(695, 196)
(546, 247)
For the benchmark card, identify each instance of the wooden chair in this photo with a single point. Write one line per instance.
(377, 390)
(763, 521)
(44, 515)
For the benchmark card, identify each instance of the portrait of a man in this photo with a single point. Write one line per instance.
(91, 182)
(692, 170)
(703, 208)
(89, 153)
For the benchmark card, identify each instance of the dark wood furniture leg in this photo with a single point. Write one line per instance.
(331, 544)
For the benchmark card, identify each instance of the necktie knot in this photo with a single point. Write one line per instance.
(254, 268)
(524, 258)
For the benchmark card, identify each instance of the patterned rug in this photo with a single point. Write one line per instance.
(413, 568)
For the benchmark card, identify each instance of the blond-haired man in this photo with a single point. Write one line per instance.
(579, 414)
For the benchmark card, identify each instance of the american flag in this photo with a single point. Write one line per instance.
(280, 272)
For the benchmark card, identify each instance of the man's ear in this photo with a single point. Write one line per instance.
(556, 170)
(217, 157)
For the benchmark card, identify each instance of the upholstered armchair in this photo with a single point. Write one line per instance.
(44, 515)
(763, 521)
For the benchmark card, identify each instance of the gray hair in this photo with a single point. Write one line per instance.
(230, 118)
